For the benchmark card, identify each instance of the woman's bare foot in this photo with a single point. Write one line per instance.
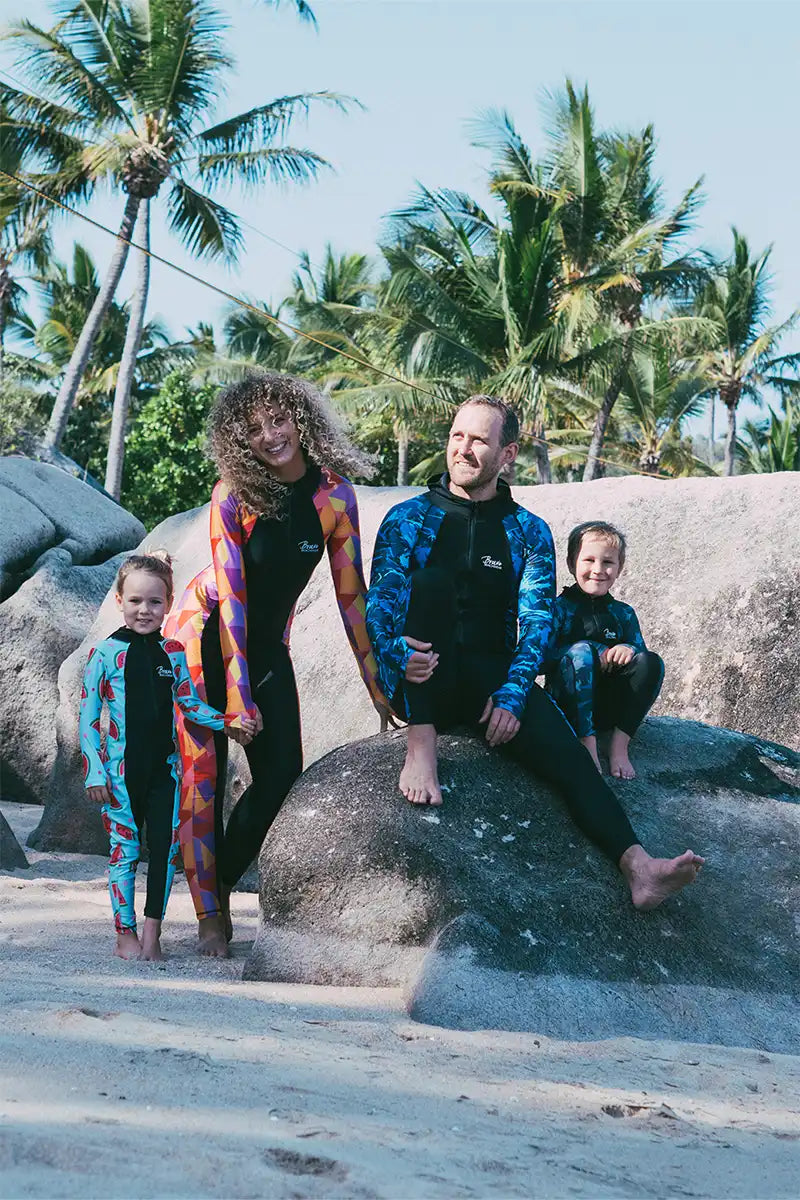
(212, 940)
(151, 941)
(419, 778)
(619, 764)
(590, 743)
(127, 944)
(653, 880)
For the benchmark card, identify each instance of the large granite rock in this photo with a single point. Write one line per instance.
(56, 545)
(12, 856)
(711, 571)
(495, 912)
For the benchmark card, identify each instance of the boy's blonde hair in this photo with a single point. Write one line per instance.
(600, 529)
(155, 562)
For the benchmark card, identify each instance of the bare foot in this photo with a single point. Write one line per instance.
(212, 941)
(127, 944)
(151, 941)
(619, 764)
(225, 905)
(419, 778)
(653, 880)
(590, 743)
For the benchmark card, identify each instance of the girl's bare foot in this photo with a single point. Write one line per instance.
(619, 764)
(653, 880)
(127, 944)
(419, 778)
(590, 743)
(151, 941)
(212, 940)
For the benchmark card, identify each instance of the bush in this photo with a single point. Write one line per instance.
(166, 468)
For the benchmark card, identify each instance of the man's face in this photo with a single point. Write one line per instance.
(475, 456)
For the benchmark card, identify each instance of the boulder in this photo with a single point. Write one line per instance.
(495, 912)
(56, 544)
(12, 856)
(711, 571)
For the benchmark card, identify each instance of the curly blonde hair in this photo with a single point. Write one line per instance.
(322, 436)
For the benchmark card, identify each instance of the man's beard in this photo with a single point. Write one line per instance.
(474, 478)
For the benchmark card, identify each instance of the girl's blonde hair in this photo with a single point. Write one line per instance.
(155, 562)
(322, 436)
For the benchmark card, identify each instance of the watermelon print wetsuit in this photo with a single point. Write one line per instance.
(144, 680)
(234, 620)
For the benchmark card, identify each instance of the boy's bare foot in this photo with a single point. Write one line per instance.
(211, 937)
(151, 941)
(590, 743)
(127, 944)
(619, 764)
(419, 778)
(653, 880)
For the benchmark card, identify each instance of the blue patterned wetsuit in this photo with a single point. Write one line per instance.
(594, 700)
(477, 580)
(141, 677)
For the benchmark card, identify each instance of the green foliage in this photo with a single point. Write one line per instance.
(166, 469)
(23, 414)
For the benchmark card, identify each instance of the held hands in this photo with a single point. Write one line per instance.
(502, 726)
(422, 663)
(616, 656)
(245, 728)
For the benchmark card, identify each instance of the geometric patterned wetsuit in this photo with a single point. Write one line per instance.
(139, 751)
(239, 610)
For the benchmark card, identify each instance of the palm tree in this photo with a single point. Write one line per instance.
(739, 356)
(131, 83)
(658, 394)
(771, 445)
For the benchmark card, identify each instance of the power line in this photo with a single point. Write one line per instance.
(261, 313)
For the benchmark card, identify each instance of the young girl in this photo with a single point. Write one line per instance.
(141, 677)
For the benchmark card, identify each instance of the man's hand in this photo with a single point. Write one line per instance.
(503, 725)
(386, 715)
(422, 663)
(616, 656)
(99, 795)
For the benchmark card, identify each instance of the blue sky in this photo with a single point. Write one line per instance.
(716, 78)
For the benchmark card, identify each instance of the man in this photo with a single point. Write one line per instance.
(458, 613)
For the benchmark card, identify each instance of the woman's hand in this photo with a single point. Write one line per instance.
(99, 795)
(244, 727)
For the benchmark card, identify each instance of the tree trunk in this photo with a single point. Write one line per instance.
(402, 457)
(130, 353)
(711, 432)
(594, 469)
(542, 454)
(730, 441)
(3, 311)
(85, 344)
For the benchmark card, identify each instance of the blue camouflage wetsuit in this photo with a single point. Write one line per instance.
(594, 700)
(477, 580)
(141, 677)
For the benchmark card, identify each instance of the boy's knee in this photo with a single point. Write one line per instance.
(579, 657)
(650, 662)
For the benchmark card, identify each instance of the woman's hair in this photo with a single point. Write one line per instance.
(155, 562)
(322, 437)
(598, 529)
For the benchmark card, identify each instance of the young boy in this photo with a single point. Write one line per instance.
(600, 673)
(141, 677)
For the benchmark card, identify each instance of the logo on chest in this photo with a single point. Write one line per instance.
(164, 672)
(308, 547)
(494, 563)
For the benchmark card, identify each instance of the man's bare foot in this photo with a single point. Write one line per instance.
(590, 743)
(151, 941)
(225, 906)
(127, 944)
(619, 764)
(653, 880)
(212, 940)
(419, 778)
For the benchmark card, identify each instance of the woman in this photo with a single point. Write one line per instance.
(279, 501)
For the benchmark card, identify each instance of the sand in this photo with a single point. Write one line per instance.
(177, 1079)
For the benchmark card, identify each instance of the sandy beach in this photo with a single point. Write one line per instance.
(177, 1079)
